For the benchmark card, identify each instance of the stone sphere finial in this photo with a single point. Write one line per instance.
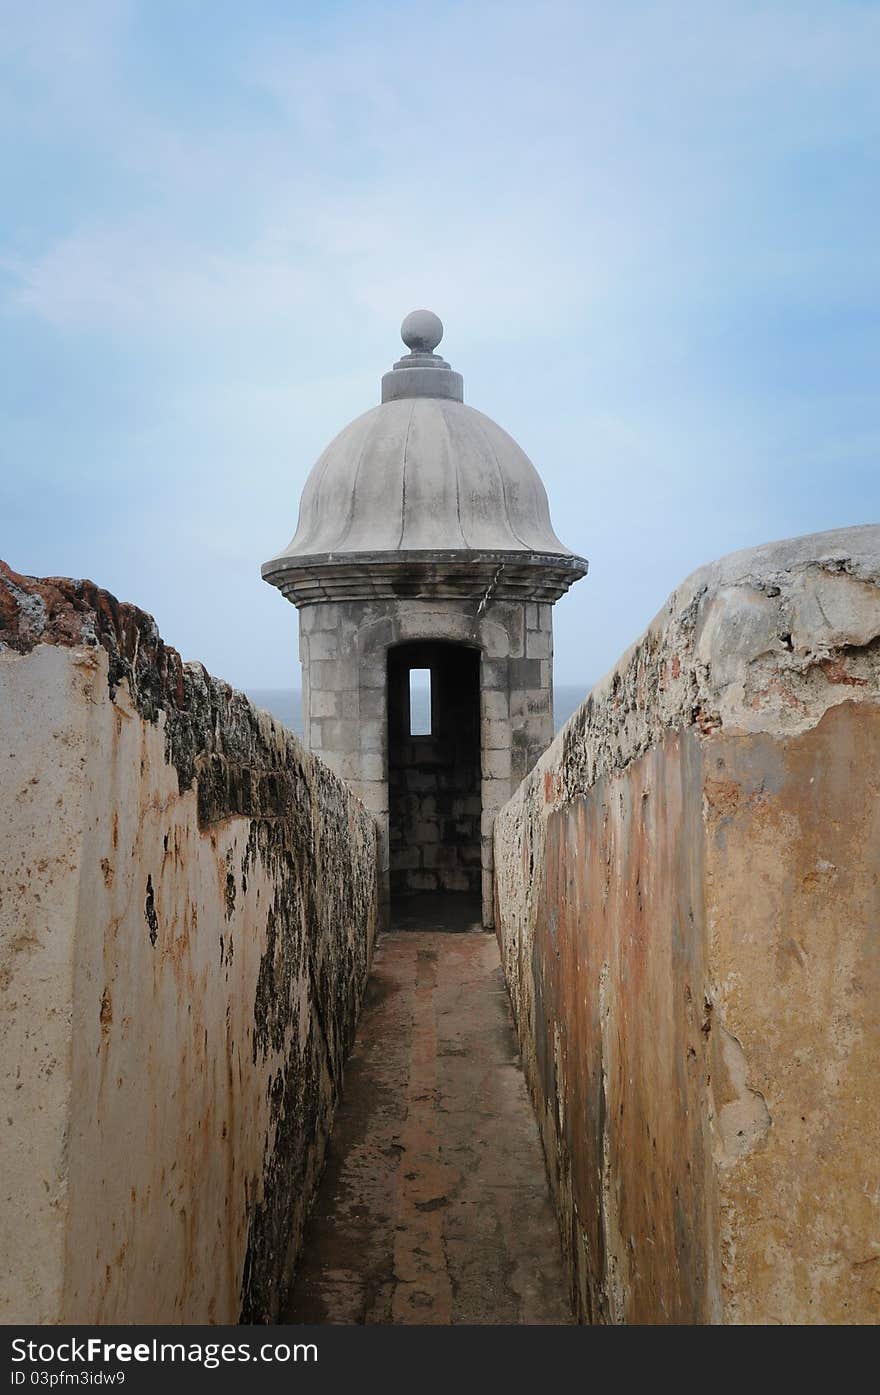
(421, 331)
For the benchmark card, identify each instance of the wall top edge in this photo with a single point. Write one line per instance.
(763, 640)
(219, 742)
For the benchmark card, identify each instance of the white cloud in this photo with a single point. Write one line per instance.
(507, 171)
(496, 270)
(124, 277)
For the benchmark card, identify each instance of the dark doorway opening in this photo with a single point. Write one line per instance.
(434, 800)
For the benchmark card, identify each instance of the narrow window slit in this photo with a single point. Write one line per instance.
(420, 702)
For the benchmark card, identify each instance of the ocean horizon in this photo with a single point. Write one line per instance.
(285, 704)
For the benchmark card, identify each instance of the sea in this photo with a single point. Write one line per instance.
(285, 704)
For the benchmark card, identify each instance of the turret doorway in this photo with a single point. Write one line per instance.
(434, 774)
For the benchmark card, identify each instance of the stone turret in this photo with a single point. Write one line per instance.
(425, 543)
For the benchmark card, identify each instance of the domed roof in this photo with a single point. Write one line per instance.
(421, 475)
(424, 472)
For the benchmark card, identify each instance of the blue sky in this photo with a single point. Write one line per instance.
(651, 229)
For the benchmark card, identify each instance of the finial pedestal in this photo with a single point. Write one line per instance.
(421, 372)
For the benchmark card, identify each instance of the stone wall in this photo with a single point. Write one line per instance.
(187, 915)
(688, 899)
(344, 647)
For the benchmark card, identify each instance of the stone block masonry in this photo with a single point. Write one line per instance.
(434, 779)
(687, 906)
(345, 710)
(188, 908)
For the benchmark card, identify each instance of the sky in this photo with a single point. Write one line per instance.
(652, 231)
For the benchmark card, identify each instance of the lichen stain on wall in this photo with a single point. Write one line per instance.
(687, 897)
(793, 906)
(199, 958)
(621, 1060)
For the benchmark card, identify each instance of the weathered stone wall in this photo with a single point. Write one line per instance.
(688, 900)
(344, 647)
(187, 915)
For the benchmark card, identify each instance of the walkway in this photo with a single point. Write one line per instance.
(434, 1206)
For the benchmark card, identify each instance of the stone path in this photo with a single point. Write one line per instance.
(434, 1206)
